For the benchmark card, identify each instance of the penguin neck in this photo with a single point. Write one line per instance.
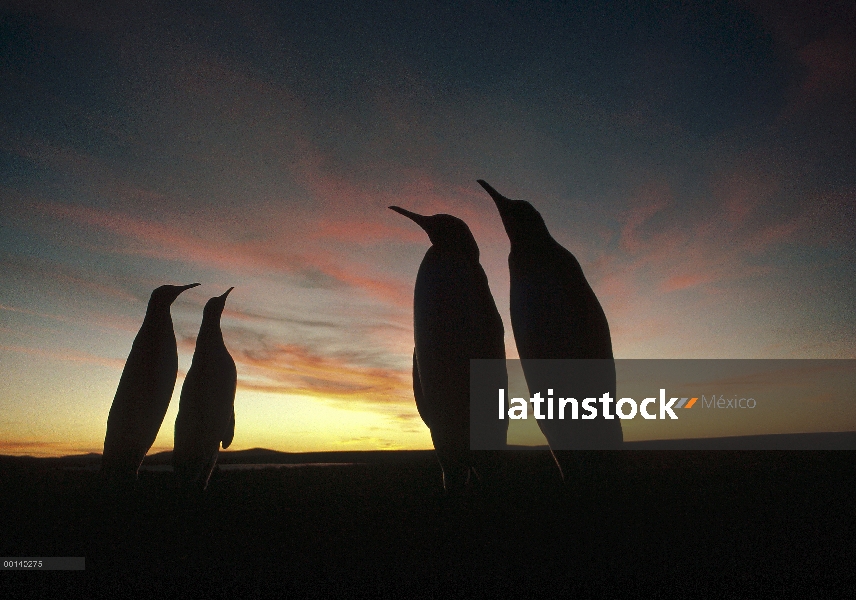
(532, 244)
(465, 254)
(210, 333)
(157, 314)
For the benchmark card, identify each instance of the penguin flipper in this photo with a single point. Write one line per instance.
(418, 393)
(230, 432)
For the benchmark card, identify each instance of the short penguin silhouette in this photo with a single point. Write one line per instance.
(206, 411)
(144, 391)
(455, 319)
(556, 315)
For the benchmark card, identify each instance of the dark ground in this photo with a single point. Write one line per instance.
(696, 523)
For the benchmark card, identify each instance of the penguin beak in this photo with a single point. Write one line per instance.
(170, 293)
(223, 297)
(501, 201)
(420, 220)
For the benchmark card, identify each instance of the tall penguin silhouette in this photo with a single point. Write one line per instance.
(144, 391)
(454, 320)
(556, 315)
(206, 411)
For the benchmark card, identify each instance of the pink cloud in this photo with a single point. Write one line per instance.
(79, 279)
(742, 191)
(711, 245)
(294, 369)
(820, 37)
(156, 240)
(66, 355)
(831, 62)
(184, 240)
(91, 320)
(680, 282)
(366, 232)
(650, 200)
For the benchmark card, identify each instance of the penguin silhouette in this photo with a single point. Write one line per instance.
(556, 315)
(454, 320)
(206, 411)
(144, 391)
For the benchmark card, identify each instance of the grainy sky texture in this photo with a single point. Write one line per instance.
(697, 158)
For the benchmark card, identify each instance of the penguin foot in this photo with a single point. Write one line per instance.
(456, 481)
(116, 489)
(118, 478)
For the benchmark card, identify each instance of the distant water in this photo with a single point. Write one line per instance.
(232, 467)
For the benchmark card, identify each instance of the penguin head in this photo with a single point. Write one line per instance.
(445, 231)
(522, 222)
(214, 307)
(165, 295)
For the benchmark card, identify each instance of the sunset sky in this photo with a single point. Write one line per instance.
(697, 158)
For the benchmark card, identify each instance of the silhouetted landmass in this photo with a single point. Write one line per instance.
(845, 440)
(680, 521)
(253, 456)
(260, 456)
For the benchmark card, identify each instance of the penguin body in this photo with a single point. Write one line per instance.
(206, 412)
(455, 319)
(556, 315)
(145, 389)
